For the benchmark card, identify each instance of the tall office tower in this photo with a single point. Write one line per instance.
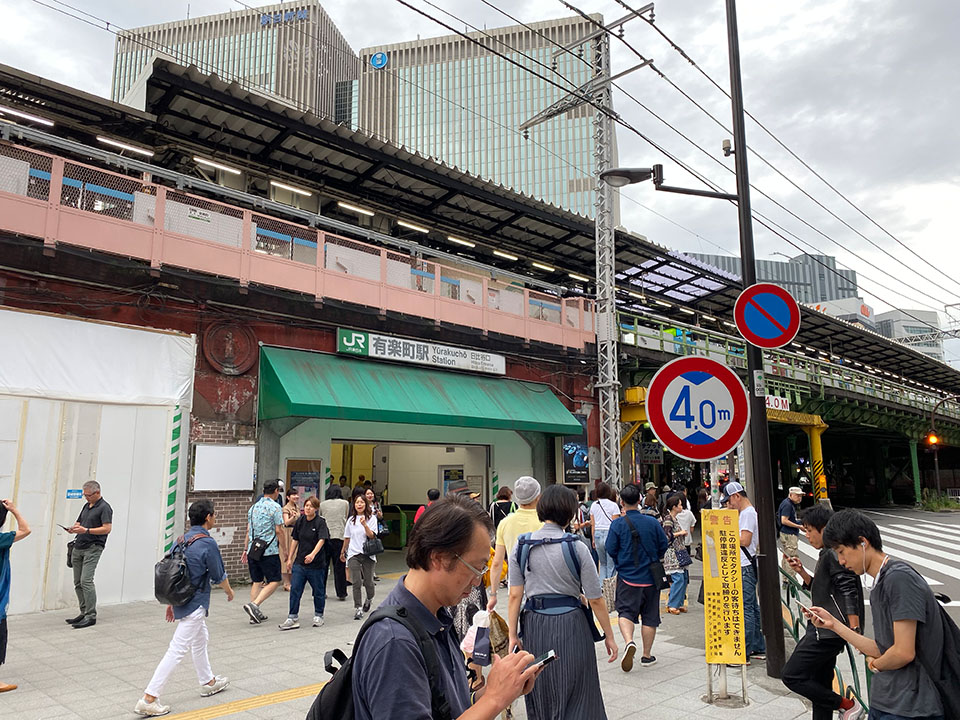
(809, 278)
(460, 103)
(290, 51)
(917, 327)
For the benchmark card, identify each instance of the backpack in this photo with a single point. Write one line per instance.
(335, 700)
(947, 679)
(171, 578)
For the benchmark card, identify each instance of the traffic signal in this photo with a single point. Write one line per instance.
(932, 439)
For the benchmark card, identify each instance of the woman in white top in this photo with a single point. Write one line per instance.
(334, 511)
(360, 526)
(602, 513)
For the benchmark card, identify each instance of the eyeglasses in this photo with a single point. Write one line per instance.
(478, 573)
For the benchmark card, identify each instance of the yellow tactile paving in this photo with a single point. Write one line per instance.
(237, 706)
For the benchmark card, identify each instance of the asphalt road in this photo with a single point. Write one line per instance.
(930, 542)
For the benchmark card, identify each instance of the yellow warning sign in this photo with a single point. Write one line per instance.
(723, 588)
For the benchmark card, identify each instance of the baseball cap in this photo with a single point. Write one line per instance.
(731, 488)
(526, 489)
(795, 490)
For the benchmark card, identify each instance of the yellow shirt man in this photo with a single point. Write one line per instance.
(526, 492)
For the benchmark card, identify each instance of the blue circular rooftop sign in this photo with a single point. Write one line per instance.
(378, 60)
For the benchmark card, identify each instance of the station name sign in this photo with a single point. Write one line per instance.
(284, 17)
(386, 347)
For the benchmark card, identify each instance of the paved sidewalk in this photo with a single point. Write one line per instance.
(98, 673)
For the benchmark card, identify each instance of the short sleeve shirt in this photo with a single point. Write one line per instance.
(93, 517)
(901, 594)
(308, 533)
(789, 511)
(748, 521)
(205, 565)
(262, 518)
(602, 512)
(334, 513)
(516, 524)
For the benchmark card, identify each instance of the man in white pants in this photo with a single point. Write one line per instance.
(205, 566)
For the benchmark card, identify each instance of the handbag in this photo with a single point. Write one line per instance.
(372, 546)
(70, 546)
(683, 558)
(661, 581)
(610, 593)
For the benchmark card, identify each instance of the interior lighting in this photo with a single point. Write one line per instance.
(581, 278)
(661, 302)
(638, 296)
(354, 208)
(505, 255)
(124, 146)
(411, 226)
(541, 266)
(459, 241)
(25, 116)
(290, 188)
(687, 311)
(708, 317)
(218, 166)
(733, 325)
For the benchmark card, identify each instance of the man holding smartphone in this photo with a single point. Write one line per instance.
(809, 671)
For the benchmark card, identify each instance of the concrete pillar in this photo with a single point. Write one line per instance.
(915, 467)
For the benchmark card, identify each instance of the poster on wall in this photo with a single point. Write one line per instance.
(574, 454)
(452, 478)
(306, 476)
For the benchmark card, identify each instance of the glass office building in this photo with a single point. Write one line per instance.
(289, 51)
(460, 103)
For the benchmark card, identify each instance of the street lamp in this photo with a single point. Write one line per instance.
(621, 177)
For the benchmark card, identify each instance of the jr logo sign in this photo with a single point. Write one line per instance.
(353, 342)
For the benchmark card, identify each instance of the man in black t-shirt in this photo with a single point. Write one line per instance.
(309, 563)
(91, 528)
(789, 529)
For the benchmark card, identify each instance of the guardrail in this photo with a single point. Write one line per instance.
(666, 336)
(791, 594)
(62, 201)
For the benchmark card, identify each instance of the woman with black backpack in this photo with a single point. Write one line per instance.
(502, 506)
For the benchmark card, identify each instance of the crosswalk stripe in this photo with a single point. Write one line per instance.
(808, 550)
(896, 541)
(919, 531)
(955, 532)
(911, 519)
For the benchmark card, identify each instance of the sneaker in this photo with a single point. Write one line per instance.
(366, 606)
(627, 663)
(289, 624)
(852, 713)
(151, 709)
(648, 661)
(318, 620)
(758, 656)
(254, 612)
(341, 599)
(358, 615)
(219, 684)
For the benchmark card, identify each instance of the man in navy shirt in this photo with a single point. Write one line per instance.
(638, 599)
(447, 555)
(6, 540)
(205, 566)
(789, 528)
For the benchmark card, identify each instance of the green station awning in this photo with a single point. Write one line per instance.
(297, 383)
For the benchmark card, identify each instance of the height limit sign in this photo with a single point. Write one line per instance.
(698, 408)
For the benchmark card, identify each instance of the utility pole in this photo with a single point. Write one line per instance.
(759, 457)
(597, 91)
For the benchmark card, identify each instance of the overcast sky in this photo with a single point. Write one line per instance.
(864, 91)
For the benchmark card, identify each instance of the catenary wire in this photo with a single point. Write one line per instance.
(793, 154)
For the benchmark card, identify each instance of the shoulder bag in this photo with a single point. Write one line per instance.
(661, 580)
(259, 546)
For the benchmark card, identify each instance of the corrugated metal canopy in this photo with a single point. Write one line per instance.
(189, 112)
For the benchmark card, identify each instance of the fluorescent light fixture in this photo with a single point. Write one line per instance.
(687, 311)
(638, 296)
(411, 226)
(661, 302)
(290, 188)
(733, 325)
(581, 278)
(541, 266)
(807, 347)
(354, 208)
(218, 166)
(504, 255)
(796, 345)
(124, 146)
(25, 116)
(708, 317)
(459, 241)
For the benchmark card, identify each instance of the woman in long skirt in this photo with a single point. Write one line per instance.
(552, 617)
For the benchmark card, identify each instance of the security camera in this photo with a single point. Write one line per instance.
(727, 148)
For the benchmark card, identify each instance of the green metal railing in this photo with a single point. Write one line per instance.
(782, 368)
(792, 594)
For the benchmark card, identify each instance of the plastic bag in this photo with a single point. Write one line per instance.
(476, 643)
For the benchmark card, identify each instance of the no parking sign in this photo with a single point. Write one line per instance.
(698, 408)
(767, 316)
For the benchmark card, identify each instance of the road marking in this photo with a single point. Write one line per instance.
(808, 550)
(257, 701)
(911, 519)
(941, 529)
(939, 552)
(932, 533)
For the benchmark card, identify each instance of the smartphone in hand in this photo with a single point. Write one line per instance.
(545, 659)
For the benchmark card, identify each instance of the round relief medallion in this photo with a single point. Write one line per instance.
(230, 348)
